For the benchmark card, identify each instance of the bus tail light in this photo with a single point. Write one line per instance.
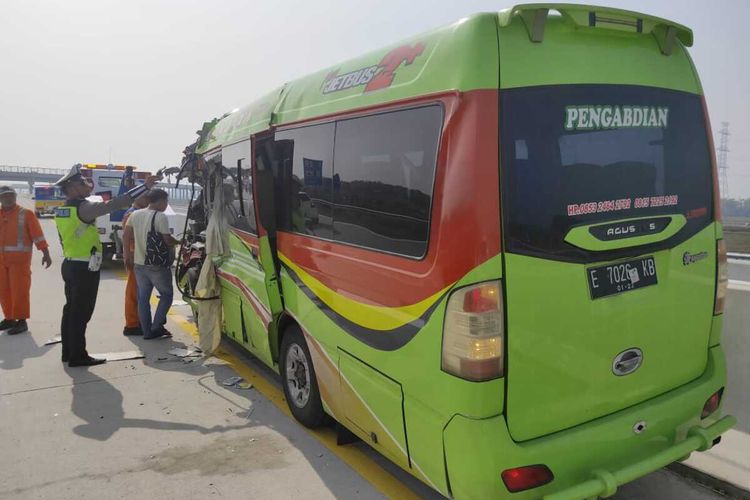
(473, 332)
(525, 478)
(722, 276)
(712, 403)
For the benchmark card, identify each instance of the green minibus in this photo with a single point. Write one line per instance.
(491, 251)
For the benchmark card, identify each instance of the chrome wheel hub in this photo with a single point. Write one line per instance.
(298, 376)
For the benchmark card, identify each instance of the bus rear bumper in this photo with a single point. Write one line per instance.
(605, 483)
(594, 458)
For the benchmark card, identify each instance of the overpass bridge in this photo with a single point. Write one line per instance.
(33, 175)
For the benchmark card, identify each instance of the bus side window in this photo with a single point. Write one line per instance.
(247, 204)
(238, 196)
(304, 176)
(384, 170)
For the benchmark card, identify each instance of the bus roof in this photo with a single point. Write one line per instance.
(453, 57)
(459, 57)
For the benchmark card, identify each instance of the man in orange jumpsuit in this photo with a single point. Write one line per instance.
(19, 230)
(132, 323)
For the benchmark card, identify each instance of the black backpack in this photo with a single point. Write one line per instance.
(157, 251)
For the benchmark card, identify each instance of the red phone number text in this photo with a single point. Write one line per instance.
(596, 207)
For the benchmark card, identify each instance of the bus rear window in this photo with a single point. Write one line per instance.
(580, 154)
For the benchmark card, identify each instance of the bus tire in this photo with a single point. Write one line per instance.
(299, 381)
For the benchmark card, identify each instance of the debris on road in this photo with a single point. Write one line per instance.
(54, 340)
(180, 352)
(120, 356)
(232, 381)
(237, 383)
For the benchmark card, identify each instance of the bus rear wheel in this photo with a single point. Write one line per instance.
(298, 379)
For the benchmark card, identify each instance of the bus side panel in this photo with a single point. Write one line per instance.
(242, 274)
(326, 375)
(232, 326)
(333, 290)
(384, 432)
(431, 397)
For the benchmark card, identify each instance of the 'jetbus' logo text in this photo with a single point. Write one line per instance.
(375, 77)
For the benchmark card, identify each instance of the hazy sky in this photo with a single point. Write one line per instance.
(83, 79)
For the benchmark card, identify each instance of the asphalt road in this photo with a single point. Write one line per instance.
(160, 427)
(739, 270)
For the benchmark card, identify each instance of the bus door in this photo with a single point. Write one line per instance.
(255, 301)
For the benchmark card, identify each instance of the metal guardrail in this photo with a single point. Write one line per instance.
(177, 193)
(16, 173)
(12, 173)
(738, 256)
(33, 170)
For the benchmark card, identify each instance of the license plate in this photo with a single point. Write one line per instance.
(621, 277)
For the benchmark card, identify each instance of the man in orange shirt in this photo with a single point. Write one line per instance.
(132, 323)
(19, 230)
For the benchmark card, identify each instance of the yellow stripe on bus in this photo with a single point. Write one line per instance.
(366, 315)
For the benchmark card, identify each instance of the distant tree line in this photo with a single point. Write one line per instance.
(735, 208)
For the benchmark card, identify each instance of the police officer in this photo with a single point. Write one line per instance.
(76, 224)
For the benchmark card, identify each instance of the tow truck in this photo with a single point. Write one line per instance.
(110, 181)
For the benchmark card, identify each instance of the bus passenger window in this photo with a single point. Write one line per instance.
(233, 209)
(384, 170)
(246, 206)
(238, 208)
(305, 175)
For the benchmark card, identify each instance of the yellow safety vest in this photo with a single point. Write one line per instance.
(79, 239)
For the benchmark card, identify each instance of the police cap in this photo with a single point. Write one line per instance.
(73, 175)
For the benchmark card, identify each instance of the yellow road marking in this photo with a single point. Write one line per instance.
(366, 467)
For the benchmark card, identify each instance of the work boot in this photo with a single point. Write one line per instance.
(19, 327)
(87, 361)
(7, 324)
(132, 330)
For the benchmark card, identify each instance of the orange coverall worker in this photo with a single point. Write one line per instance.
(132, 323)
(19, 229)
